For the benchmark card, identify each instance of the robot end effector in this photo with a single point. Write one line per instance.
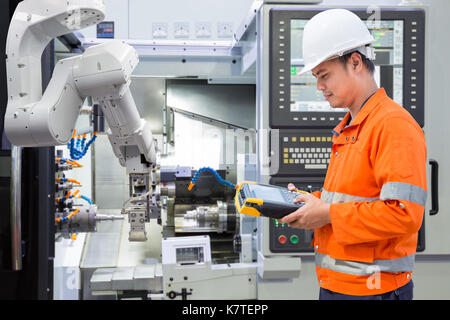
(102, 72)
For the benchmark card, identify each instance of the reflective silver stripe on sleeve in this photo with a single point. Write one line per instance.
(403, 264)
(336, 197)
(403, 191)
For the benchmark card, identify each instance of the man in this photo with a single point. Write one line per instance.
(367, 216)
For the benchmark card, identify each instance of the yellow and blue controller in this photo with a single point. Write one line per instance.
(265, 200)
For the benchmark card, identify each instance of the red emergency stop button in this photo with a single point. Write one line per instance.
(282, 239)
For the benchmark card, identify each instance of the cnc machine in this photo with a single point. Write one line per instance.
(204, 248)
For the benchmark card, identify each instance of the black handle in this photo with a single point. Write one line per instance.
(434, 187)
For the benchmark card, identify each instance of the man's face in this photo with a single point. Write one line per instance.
(335, 81)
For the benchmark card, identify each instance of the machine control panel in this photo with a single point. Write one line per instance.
(286, 239)
(301, 152)
(399, 46)
(282, 237)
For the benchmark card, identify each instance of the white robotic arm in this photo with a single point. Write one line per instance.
(33, 25)
(102, 72)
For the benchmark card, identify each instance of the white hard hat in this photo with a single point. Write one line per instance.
(333, 33)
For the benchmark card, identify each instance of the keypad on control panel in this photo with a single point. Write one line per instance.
(312, 152)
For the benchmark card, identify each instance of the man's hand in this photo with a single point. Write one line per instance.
(314, 214)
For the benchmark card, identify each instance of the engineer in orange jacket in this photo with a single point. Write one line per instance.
(367, 216)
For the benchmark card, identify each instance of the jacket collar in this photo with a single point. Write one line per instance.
(367, 107)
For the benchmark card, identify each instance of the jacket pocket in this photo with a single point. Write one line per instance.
(364, 252)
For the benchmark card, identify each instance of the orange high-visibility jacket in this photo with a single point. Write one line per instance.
(376, 185)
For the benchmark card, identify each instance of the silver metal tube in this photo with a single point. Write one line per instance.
(16, 208)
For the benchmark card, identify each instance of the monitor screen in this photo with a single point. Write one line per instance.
(105, 29)
(295, 102)
(388, 46)
(266, 192)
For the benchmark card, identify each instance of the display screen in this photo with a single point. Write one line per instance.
(266, 192)
(189, 255)
(105, 29)
(388, 74)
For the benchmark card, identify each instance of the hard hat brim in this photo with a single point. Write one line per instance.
(308, 67)
(311, 66)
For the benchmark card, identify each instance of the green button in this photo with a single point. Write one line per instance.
(294, 239)
(293, 70)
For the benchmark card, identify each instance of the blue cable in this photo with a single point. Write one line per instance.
(83, 141)
(87, 199)
(80, 196)
(79, 148)
(214, 172)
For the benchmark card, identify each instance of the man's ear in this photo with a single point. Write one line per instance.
(355, 61)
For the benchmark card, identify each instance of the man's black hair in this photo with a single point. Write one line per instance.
(367, 62)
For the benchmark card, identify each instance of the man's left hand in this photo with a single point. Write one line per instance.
(314, 214)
